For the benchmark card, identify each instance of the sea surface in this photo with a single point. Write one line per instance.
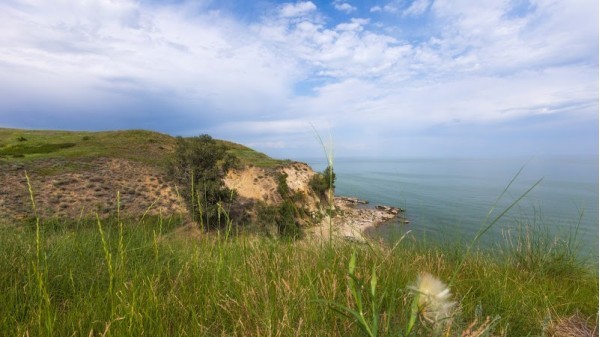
(451, 198)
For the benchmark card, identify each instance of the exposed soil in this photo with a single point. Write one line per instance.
(260, 184)
(85, 188)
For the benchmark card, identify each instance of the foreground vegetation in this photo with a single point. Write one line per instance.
(152, 278)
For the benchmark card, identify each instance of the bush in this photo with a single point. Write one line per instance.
(279, 220)
(320, 183)
(282, 187)
(287, 226)
(266, 218)
(199, 166)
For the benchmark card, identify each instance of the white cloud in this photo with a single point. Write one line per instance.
(208, 60)
(343, 7)
(392, 7)
(417, 8)
(480, 65)
(354, 25)
(289, 10)
(543, 36)
(386, 106)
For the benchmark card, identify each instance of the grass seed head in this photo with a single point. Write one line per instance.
(434, 300)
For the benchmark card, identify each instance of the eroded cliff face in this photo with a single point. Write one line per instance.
(256, 184)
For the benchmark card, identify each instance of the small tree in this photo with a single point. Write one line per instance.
(200, 164)
(329, 176)
(320, 183)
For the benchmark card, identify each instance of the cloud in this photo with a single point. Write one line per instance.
(392, 7)
(537, 37)
(189, 67)
(207, 60)
(281, 126)
(417, 8)
(353, 25)
(343, 7)
(289, 10)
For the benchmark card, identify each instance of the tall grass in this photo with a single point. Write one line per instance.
(128, 278)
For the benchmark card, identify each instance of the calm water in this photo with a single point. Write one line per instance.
(451, 197)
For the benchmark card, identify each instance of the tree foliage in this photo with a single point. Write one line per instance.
(320, 183)
(199, 166)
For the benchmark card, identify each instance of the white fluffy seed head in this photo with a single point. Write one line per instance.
(434, 300)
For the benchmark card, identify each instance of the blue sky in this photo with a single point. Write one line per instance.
(380, 78)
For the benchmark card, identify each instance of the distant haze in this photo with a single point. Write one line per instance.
(386, 78)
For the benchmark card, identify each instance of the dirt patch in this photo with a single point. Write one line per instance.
(254, 183)
(99, 186)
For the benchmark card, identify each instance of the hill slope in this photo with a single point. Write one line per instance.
(75, 174)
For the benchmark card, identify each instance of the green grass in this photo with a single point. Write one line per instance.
(151, 148)
(132, 279)
(250, 156)
(21, 150)
(148, 147)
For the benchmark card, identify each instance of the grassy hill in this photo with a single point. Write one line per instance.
(148, 147)
(143, 146)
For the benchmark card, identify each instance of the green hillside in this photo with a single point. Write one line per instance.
(144, 146)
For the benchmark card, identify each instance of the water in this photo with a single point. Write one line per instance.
(451, 197)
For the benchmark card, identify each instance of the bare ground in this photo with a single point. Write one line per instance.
(88, 189)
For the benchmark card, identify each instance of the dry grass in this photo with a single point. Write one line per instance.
(572, 326)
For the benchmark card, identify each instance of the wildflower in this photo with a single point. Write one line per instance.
(433, 300)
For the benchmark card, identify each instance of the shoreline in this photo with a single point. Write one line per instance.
(352, 219)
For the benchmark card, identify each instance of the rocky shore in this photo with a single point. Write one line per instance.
(351, 220)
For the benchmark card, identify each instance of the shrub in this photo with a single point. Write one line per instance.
(266, 218)
(282, 187)
(287, 226)
(320, 183)
(279, 220)
(199, 166)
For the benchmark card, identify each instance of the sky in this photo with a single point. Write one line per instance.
(389, 78)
